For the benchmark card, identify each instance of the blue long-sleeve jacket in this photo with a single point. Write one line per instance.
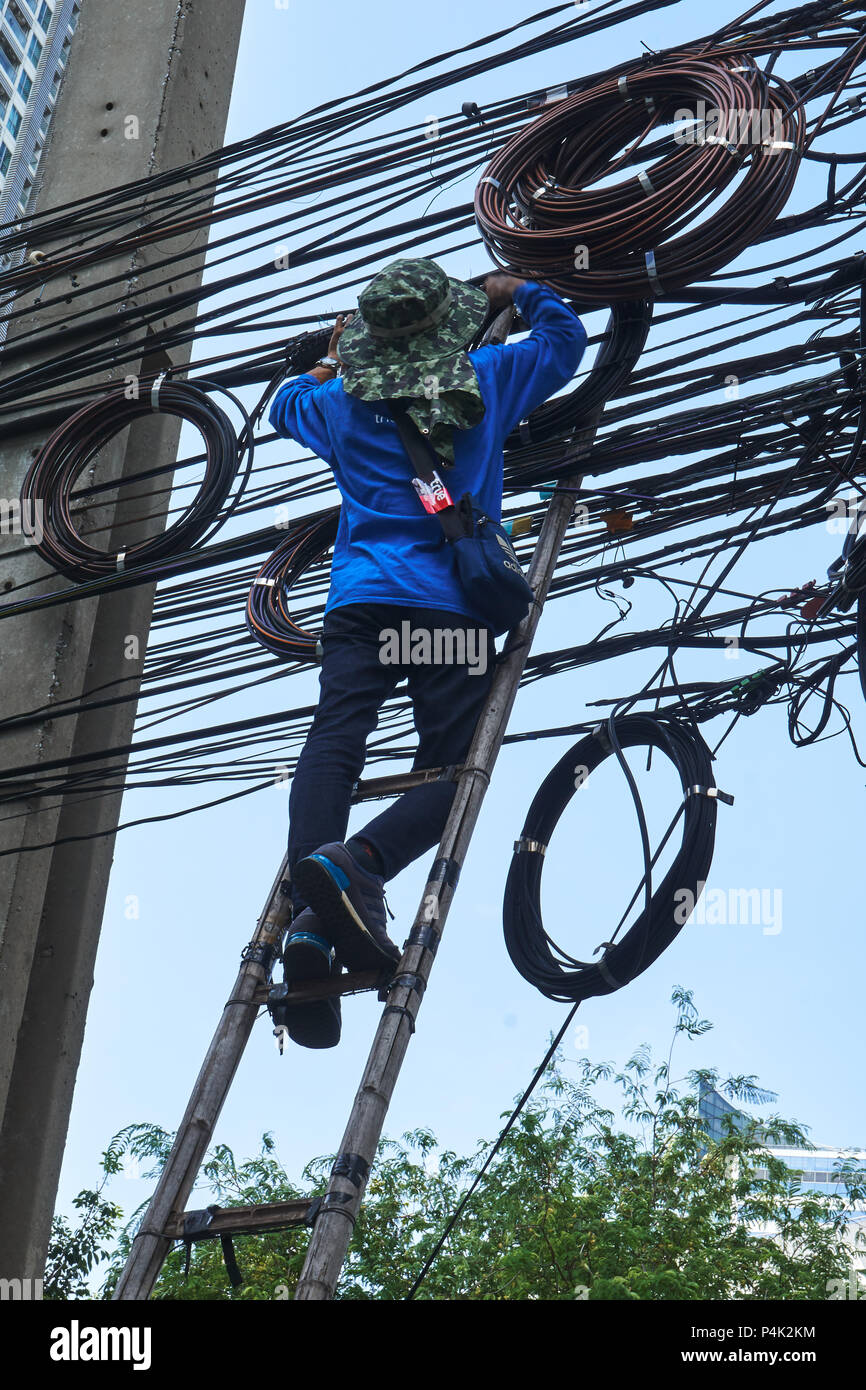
(388, 549)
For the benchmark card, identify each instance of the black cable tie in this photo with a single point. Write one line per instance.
(425, 935)
(444, 871)
(409, 981)
(715, 792)
(262, 954)
(329, 1201)
(399, 1009)
(351, 1166)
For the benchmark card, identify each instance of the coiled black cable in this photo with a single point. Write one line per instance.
(535, 955)
(268, 618)
(47, 490)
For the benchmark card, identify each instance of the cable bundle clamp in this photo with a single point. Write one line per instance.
(525, 845)
(655, 283)
(600, 732)
(154, 391)
(715, 792)
(550, 183)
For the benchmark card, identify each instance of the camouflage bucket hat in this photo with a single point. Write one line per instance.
(409, 340)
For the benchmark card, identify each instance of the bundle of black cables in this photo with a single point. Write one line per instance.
(48, 486)
(268, 616)
(624, 340)
(537, 957)
(849, 574)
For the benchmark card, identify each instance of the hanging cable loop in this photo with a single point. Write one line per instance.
(533, 952)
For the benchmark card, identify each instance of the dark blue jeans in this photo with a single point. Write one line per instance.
(359, 671)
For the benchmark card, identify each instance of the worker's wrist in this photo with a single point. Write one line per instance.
(324, 373)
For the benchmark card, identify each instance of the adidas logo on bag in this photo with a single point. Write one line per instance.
(505, 546)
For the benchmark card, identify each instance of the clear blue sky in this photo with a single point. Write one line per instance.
(787, 1005)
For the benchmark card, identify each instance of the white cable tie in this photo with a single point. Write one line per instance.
(653, 274)
(269, 582)
(556, 93)
(622, 88)
(645, 182)
(154, 391)
(778, 144)
(488, 179)
(320, 651)
(650, 105)
(120, 560)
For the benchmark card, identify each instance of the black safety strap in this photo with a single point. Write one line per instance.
(195, 1227)
(424, 935)
(351, 1166)
(231, 1264)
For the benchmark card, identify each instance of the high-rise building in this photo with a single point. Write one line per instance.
(817, 1170)
(35, 36)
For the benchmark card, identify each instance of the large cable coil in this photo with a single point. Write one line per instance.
(536, 956)
(48, 486)
(547, 204)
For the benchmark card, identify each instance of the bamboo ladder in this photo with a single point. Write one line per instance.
(332, 1215)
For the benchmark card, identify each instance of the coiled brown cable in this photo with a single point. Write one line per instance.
(547, 205)
(48, 486)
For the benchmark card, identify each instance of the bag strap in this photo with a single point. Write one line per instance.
(434, 495)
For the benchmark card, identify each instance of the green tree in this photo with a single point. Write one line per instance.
(573, 1207)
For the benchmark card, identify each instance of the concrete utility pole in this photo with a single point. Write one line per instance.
(146, 90)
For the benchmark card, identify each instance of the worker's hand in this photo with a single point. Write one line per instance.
(500, 286)
(343, 321)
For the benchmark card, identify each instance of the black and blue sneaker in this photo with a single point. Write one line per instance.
(308, 956)
(350, 904)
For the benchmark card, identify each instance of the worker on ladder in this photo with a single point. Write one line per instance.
(395, 604)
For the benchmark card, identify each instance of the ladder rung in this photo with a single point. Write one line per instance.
(238, 1221)
(350, 983)
(372, 788)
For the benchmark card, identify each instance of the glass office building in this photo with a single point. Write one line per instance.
(816, 1170)
(35, 36)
